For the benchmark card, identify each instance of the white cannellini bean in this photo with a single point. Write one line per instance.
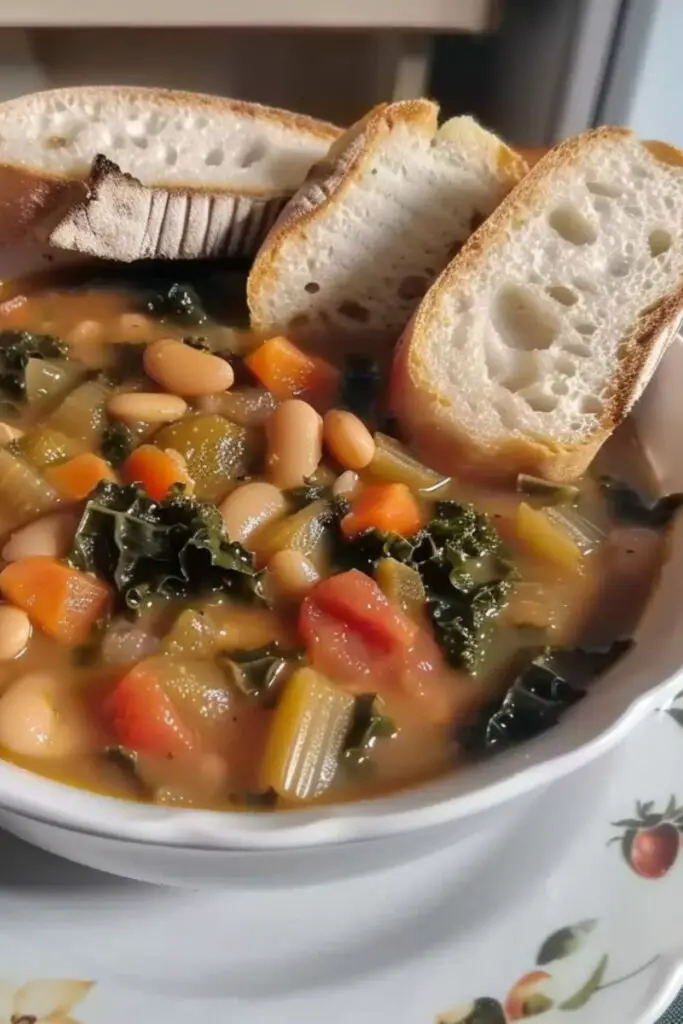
(37, 719)
(85, 333)
(346, 485)
(125, 644)
(295, 435)
(146, 407)
(348, 439)
(183, 370)
(15, 632)
(52, 536)
(249, 507)
(294, 574)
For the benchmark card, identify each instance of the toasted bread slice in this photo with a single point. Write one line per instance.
(361, 241)
(131, 173)
(541, 334)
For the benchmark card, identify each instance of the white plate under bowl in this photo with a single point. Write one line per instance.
(540, 916)
(195, 847)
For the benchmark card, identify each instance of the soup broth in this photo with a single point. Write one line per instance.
(243, 591)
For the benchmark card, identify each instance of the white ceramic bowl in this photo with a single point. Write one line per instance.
(194, 848)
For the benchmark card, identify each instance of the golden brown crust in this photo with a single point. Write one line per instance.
(329, 180)
(326, 182)
(429, 424)
(178, 98)
(33, 199)
(122, 219)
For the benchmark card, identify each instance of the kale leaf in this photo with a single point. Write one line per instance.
(535, 702)
(539, 695)
(118, 442)
(173, 548)
(368, 725)
(258, 672)
(16, 348)
(629, 507)
(300, 497)
(178, 302)
(464, 569)
(360, 385)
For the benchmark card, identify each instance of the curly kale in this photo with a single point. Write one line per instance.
(464, 569)
(179, 302)
(173, 548)
(118, 442)
(535, 702)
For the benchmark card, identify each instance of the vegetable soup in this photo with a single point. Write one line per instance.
(227, 584)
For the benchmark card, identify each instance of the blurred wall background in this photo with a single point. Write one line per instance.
(536, 70)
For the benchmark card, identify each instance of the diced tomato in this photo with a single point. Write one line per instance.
(337, 651)
(144, 718)
(345, 643)
(357, 600)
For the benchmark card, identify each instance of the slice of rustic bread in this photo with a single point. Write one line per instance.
(375, 223)
(541, 334)
(149, 172)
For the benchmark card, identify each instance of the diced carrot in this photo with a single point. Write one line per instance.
(288, 372)
(157, 470)
(143, 716)
(76, 478)
(64, 602)
(387, 507)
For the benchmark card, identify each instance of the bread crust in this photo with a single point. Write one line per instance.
(329, 180)
(176, 99)
(89, 215)
(425, 416)
(326, 182)
(122, 219)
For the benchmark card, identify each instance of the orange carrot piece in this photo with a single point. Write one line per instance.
(288, 372)
(78, 477)
(156, 470)
(387, 507)
(64, 602)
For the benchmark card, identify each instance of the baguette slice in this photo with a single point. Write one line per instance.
(361, 241)
(131, 173)
(541, 334)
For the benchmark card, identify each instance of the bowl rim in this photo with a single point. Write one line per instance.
(110, 818)
(633, 688)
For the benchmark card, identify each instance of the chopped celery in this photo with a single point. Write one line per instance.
(403, 586)
(193, 634)
(44, 446)
(24, 494)
(82, 413)
(547, 539)
(240, 627)
(216, 452)
(304, 531)
(248, 407)
(547, 492)
(204, 632)
(307, 736)
(47, 379)
(392, 463)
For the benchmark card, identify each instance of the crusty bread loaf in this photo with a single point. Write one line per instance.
(541, 334)
(376, 222)
(127, 173)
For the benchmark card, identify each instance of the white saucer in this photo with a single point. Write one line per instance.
(403, 947)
